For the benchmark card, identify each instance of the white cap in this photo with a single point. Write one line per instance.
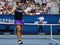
(41, 18)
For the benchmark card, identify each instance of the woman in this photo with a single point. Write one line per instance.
(18, 19)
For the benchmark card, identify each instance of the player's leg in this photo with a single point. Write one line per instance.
(19, 29)
(40, 28)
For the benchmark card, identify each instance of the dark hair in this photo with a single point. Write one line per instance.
(19, 2)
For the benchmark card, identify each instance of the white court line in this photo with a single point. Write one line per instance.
(55, 40)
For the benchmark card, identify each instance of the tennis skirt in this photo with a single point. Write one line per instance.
(19, 22)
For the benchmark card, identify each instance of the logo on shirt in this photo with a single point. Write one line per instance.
(19, 10)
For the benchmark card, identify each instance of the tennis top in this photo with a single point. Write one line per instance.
(18, 13)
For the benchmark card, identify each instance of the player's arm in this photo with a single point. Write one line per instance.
(12, 11)
(26, 12)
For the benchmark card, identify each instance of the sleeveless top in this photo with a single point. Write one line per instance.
(18, 13)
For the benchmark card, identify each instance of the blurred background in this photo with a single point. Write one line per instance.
(48, 9)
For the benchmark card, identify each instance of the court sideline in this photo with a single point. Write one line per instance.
(27, 39)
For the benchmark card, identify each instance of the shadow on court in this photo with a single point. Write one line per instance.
(27, 40)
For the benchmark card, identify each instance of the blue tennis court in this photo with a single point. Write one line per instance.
(28, 40)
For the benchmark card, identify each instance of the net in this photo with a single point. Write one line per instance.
(55, 36)
(48, 33)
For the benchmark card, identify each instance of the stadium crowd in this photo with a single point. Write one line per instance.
(31, 7)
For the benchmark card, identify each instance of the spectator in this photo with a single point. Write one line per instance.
(23, 1)
(5, 7)
(4, 10)
(2, 3)
(37, 6)
(59, 10)
(1, 6)
(0, 11)
(41, 6)
(49, 7)
(45, 9)
(44, 3)
(27, 9)
(40, 2)
(2, 0)
(9, 7)
(33, 8)
(41, 10)
(25, 6)
(32, 5)
(48, 0)
(37, 9)
(37, 1)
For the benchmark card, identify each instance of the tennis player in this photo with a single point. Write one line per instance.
(18, 19)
